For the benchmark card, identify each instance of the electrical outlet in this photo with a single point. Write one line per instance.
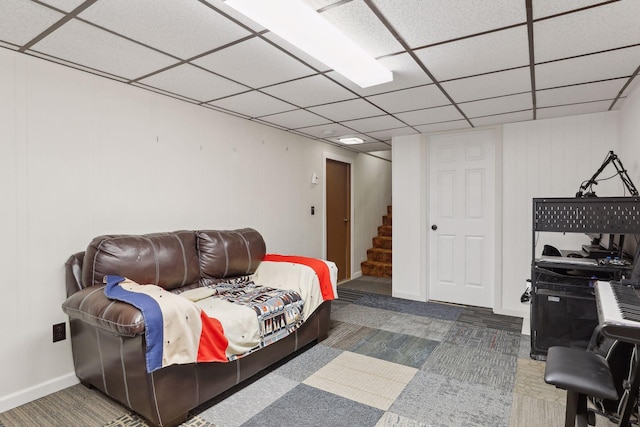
(59, 332)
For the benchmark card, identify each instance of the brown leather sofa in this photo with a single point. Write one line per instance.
(107, 337)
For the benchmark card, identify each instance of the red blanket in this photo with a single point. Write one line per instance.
(320, 267)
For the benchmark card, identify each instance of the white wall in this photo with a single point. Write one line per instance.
(367, 200)
(548, 158)
(543, 158)
(410, 257)
(81, 155)
(630, 136)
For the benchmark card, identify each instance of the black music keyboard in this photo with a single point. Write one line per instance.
(618, 311)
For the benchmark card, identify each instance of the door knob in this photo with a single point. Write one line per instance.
(434, 227)
(346, 220)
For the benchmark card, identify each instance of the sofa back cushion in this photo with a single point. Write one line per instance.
(229, 253)
(169, 260)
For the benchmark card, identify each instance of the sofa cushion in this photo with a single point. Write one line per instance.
(229, 253)
(168, 260)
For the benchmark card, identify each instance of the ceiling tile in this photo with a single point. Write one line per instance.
(521, 116)
(294, 119)
(358, 22)
(319, 4)
(386, 135)
(430, 115)
(580, 93)
(601, 66)
(255, 63)
(22, 21)
(587, 31)
(476, 55)
(410, 99)
(106, 52)
(253, 104)
(422, 22)
(347, 110)
(445, 126)
(406, 73)
(542, 8)
(501, 105)
(194, 83)
(489, 85)
(315, 90)
(632, 86)
(183, 29)
(234, 15)
(328, 131)
(574, 109)
(66, 5)
(368, 147)
(305, 57)
(373, 124)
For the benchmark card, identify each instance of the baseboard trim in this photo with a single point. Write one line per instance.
(37, 391)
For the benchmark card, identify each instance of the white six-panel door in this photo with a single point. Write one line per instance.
(461, 223)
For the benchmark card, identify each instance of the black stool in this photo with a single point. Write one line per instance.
(582, 374)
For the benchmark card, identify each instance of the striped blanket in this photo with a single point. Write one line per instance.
(214, 324)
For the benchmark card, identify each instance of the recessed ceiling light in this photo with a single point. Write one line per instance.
(351, 140)
(300, 25)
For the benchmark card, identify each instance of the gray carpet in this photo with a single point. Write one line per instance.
(386, 363)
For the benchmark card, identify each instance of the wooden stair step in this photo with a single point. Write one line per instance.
(375, 269)
(385, 230)
(382, 242)
(379, 255)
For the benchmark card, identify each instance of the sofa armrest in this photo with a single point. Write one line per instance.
(92, 306)
(73, 273)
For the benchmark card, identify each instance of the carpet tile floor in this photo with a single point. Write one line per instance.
(387, 362)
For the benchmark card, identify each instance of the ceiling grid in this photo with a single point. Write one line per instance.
(456, 65)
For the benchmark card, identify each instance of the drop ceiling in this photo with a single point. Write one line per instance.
(456, 64)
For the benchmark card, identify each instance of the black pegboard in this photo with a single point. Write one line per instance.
(614, 215)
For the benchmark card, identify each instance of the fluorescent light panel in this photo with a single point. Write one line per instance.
(351, 140)
(300, 25)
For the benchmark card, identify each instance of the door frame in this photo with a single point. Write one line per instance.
(332, 156)
(498, 285)
(486, 296)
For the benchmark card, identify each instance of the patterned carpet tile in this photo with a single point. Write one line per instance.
(440, 401)
(389, 419)
(473, 365)
(133, 420)
(430, 309)
(345, 335)
(248, 401)
(299, 368)
(373, 285)
(527, 411)
(486, 317)
(529, 382)
(96, 409)
(489, 339)
(361, 315)
(418, 326)
(397, 348)
(363, 379)
(306, 406)
(349, 295)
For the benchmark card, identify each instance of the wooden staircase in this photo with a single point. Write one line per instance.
(378, 261)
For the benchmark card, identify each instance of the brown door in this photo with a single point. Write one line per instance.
(338, 216)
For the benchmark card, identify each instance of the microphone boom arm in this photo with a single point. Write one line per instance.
(622, 172)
